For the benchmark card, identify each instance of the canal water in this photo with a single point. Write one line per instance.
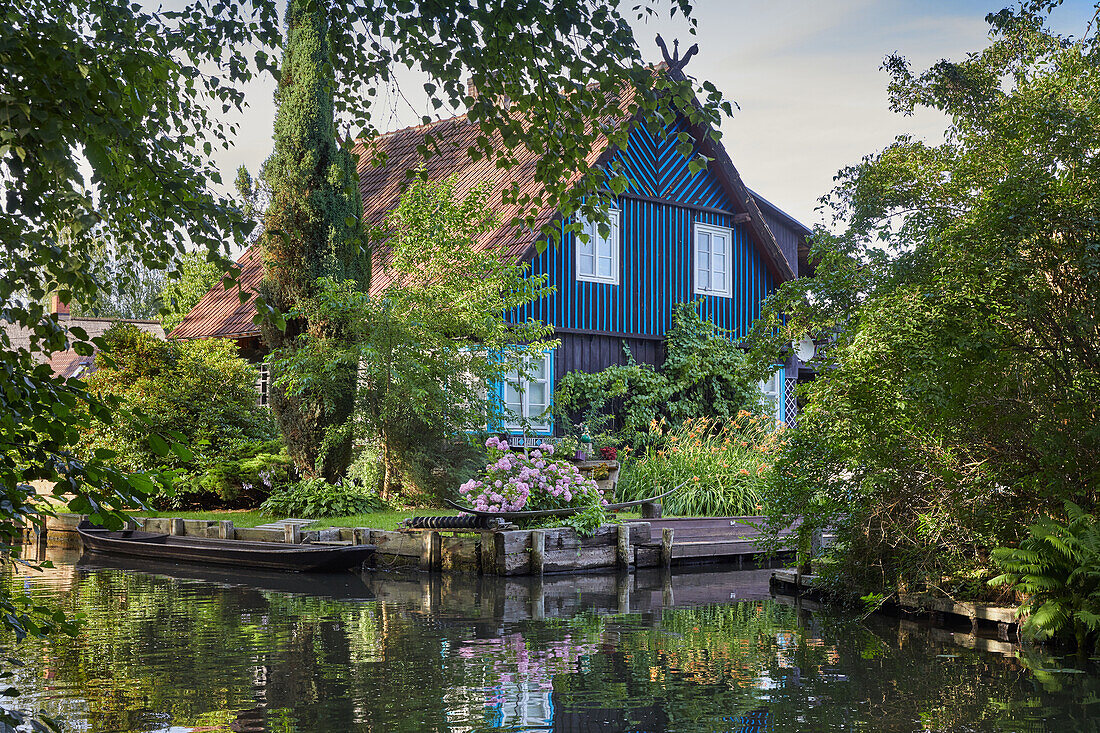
(165, 649)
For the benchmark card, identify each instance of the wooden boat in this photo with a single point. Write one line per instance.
(338, 586)
(203, 551)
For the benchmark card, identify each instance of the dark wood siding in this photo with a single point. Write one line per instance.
(593, 352)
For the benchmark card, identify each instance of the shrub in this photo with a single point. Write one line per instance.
(1058, 566)
(514, 481)
(724, 462)
(704, 373)
(199, 393)
(241, 476)
(316, 498)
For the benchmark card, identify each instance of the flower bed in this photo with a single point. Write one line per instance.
(515, 481)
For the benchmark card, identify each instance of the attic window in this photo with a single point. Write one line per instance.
(712, 260)
(598, 258)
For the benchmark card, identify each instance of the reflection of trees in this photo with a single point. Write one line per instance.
(158, 651)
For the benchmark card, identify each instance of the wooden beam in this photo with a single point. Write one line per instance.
(691, 207)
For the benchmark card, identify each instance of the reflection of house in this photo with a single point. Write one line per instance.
(675, 236)
(68, 363)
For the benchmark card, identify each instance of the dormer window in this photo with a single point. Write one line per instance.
(598, 258)
(712, 260)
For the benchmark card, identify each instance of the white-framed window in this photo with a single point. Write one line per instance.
(527, 398)
(772, 387)
(598, 258)
(263, 384)
(712, 259)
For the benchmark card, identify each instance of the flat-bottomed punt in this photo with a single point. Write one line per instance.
(202, 551)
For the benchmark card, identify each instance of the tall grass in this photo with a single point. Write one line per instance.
(725, 463)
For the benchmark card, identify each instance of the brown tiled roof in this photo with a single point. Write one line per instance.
(220, 312)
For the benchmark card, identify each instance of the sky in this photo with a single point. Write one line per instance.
(805, 74)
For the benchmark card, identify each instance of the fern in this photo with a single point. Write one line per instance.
(1058, 567)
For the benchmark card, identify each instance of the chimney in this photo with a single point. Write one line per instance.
(58, 306)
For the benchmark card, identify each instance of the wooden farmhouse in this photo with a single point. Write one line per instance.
(675, 237)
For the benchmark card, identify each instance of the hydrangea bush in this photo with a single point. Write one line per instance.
(514, 482)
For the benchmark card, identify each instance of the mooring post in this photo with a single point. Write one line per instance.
(292, 534)
(538, 551)
(226, 530)
(431, 551)
(622, 548)
(360, 536)
(437, 551)
(41, 541)
(667, 536)
(488, 554)
(175, 527)
(426, 551)
(652, 510)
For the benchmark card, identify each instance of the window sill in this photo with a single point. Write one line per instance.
(590, 279)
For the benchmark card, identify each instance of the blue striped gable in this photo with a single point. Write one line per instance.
(657, 170)
(656, 255)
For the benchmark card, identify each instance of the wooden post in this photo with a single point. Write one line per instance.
(667, 537)
(41, 537)
(431, 552)
(426, 551)
(622, 548)
(488, 554)
(175, 527)
(360, 536)
(226, 530)
(292, 534)
(652, 510)
(538, 551)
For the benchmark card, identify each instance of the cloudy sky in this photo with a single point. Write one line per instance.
(804, 72)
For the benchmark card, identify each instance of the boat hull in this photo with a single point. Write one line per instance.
(202, 551)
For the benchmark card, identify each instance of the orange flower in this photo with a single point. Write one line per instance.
(744, 444)
(744, 472)
(695, 478)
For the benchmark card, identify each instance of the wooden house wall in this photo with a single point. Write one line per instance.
(656, 256)
(592, 352)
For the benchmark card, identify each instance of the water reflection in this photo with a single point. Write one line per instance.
(178, 649)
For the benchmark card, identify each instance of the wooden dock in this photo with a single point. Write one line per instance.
(651, 543)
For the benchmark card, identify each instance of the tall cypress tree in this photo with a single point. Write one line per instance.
(312, 229)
